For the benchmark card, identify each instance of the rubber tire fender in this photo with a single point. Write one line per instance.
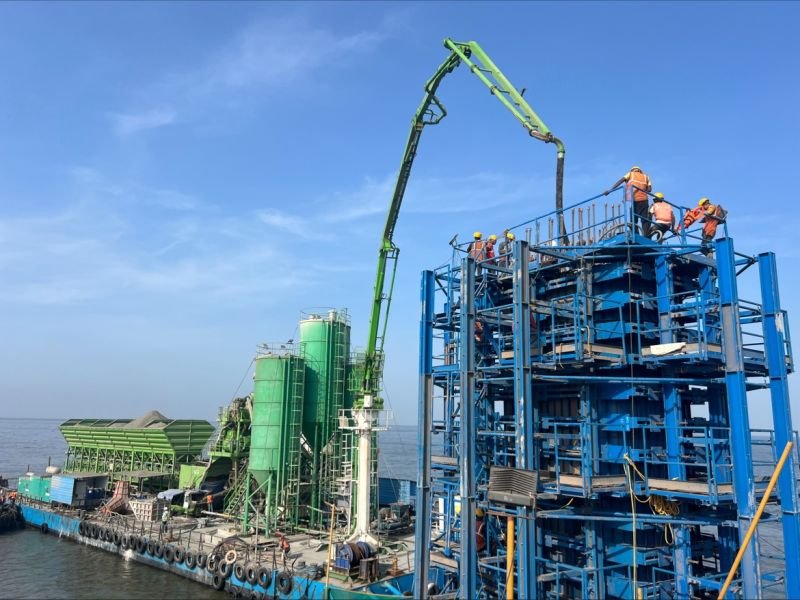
(125, 542)
(133, 541)
(180, 554)
(231, 556)
(108, 535)
(202, 559)
(159, 550)
(82, 528)
(225, 569)
(117, 538)
(169, 553)
(95, 531)
(218, 582)
(284, 582)
(251, 573)
(44, 528)
(141, 545)
(264, 577)
(190, 560)
(240, 572)
(151, 547)
(212, 563)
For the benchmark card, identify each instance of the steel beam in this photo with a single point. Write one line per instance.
(468, 565)
(735, 383)
(523, 409)
(673, 417)
(425, 418)
(775, 347)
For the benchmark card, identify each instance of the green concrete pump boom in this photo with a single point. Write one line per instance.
(430, 112)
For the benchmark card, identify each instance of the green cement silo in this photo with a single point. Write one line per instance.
(325, 342)
(276, 422)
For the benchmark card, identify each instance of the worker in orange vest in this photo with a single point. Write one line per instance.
(637, 185)
(661, 215)
(477, 250)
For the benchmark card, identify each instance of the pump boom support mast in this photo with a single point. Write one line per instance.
(430, 112)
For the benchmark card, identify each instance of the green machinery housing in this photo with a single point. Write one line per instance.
(149, 449)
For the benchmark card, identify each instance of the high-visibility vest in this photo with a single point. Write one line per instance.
(476, 249)
(639, 180)
(662, 213)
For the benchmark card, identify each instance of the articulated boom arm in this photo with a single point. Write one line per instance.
(430, 112)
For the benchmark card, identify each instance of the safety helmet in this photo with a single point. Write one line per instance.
(703, 202)
(635, 168)
(477, 235)
(509, 235)
(658, 196)
(493, 237)
(479, 512)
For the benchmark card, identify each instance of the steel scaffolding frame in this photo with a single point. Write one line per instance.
(617, 371)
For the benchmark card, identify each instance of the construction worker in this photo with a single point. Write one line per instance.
(285, 548)
(477, 250)
(489, 249)
(710, 215)
(476, 246)
(165, 519)
(504, 251)
(637, 185)
(480, 530)
(662, 216)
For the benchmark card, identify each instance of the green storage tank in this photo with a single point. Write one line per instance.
(276, 419)
(325, 341)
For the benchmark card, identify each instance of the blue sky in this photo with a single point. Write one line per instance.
(180, 180)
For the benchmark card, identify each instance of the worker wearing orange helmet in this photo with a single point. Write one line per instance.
(637, 185)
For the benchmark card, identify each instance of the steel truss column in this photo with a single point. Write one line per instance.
(775, 345)
(523, 409)
(673, 416)
(468, 565)
(425, 418)
(735, 383)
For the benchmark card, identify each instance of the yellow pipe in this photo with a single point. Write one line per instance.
(510, 559)
(752, 529)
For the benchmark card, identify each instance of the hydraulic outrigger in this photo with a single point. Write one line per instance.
(430, 112)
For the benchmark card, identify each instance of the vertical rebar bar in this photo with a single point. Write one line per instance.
(572, 212)
(580, 226)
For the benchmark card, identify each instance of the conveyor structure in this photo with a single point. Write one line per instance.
(589, 394)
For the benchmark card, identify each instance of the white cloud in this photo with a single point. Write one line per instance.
(130, 123)
(266, 56)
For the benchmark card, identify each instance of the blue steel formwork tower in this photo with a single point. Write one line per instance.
(584, 418)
